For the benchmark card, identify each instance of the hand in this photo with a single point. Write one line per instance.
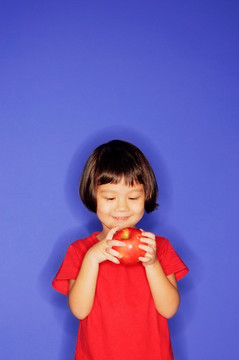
(103, 251)
(149, 245)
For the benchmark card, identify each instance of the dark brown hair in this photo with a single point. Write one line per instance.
(112, 161)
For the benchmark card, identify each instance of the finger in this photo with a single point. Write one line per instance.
(143, 259)
(148, 234)
(148, 249)
(115, 253)
(113, 259)
(112, 232)
(148, 256)
(148, 241)
(115, 243)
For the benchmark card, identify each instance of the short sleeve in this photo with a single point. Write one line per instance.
(69, 269)
(170, 260)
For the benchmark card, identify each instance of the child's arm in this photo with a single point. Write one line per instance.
(163, 288)
(82, 290)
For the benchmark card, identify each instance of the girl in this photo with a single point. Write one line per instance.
(123, 309)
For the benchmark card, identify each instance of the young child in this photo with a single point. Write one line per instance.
(123, 308)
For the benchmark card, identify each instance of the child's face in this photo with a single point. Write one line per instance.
(119, 204)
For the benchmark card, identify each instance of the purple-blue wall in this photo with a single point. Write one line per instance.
(161, 74)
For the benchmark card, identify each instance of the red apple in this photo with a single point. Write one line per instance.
(131, 251)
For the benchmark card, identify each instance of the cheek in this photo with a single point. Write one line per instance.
(139, 208)
(103, 207)
(101, 213)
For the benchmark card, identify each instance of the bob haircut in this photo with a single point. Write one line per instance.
(112, 161)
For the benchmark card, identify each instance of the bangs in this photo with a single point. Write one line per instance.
(130, 178)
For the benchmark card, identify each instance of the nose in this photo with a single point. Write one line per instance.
(122, 204)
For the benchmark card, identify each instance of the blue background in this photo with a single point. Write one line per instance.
(161, 74)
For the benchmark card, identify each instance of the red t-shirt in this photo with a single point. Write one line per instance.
(123, 323)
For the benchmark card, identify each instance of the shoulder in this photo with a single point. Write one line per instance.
(162, 243)
(72, 261)
(169, 259)
(164, 248)
(85, 243)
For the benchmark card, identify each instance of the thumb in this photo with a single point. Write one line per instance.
(112, 232)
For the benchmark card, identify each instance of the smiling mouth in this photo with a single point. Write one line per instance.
(120, 218)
